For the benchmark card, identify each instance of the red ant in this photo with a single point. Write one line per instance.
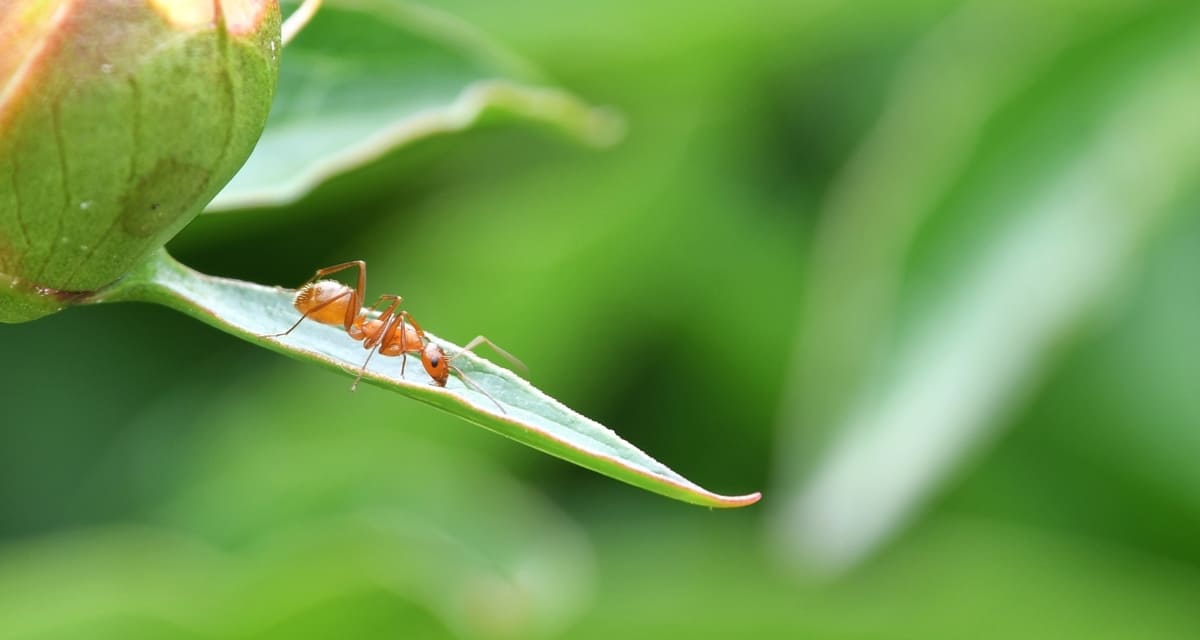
(393, 333)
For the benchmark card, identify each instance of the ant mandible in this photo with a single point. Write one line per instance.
(393, 333)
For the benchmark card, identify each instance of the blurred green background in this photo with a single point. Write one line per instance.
(923, 272)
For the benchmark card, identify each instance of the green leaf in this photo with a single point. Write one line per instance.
(411, 73)
(252, 311)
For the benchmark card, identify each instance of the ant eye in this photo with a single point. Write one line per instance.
(433, 362)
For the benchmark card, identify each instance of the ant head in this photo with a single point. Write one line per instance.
(437, 365)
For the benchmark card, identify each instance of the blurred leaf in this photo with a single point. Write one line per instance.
(1107, 447)
(510, 565)
(955, 578)
(368, 76)
(331, 522)
(252, 311)
(927, 328)
(267, 521)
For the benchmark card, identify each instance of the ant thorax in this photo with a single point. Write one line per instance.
(402, 338)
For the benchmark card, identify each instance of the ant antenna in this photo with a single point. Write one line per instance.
(476, 341)
(467, 381)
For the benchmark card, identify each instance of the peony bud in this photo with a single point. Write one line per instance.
(119, 121)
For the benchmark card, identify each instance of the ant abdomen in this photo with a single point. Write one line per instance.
(324, 301)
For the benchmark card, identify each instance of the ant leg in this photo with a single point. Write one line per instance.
(405, 319)
(387, 321)
(478, 340)
(416, 327)
(306, 314)
(362, 370)
(384, 318)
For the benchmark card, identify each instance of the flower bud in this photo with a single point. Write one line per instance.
(119, 121)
